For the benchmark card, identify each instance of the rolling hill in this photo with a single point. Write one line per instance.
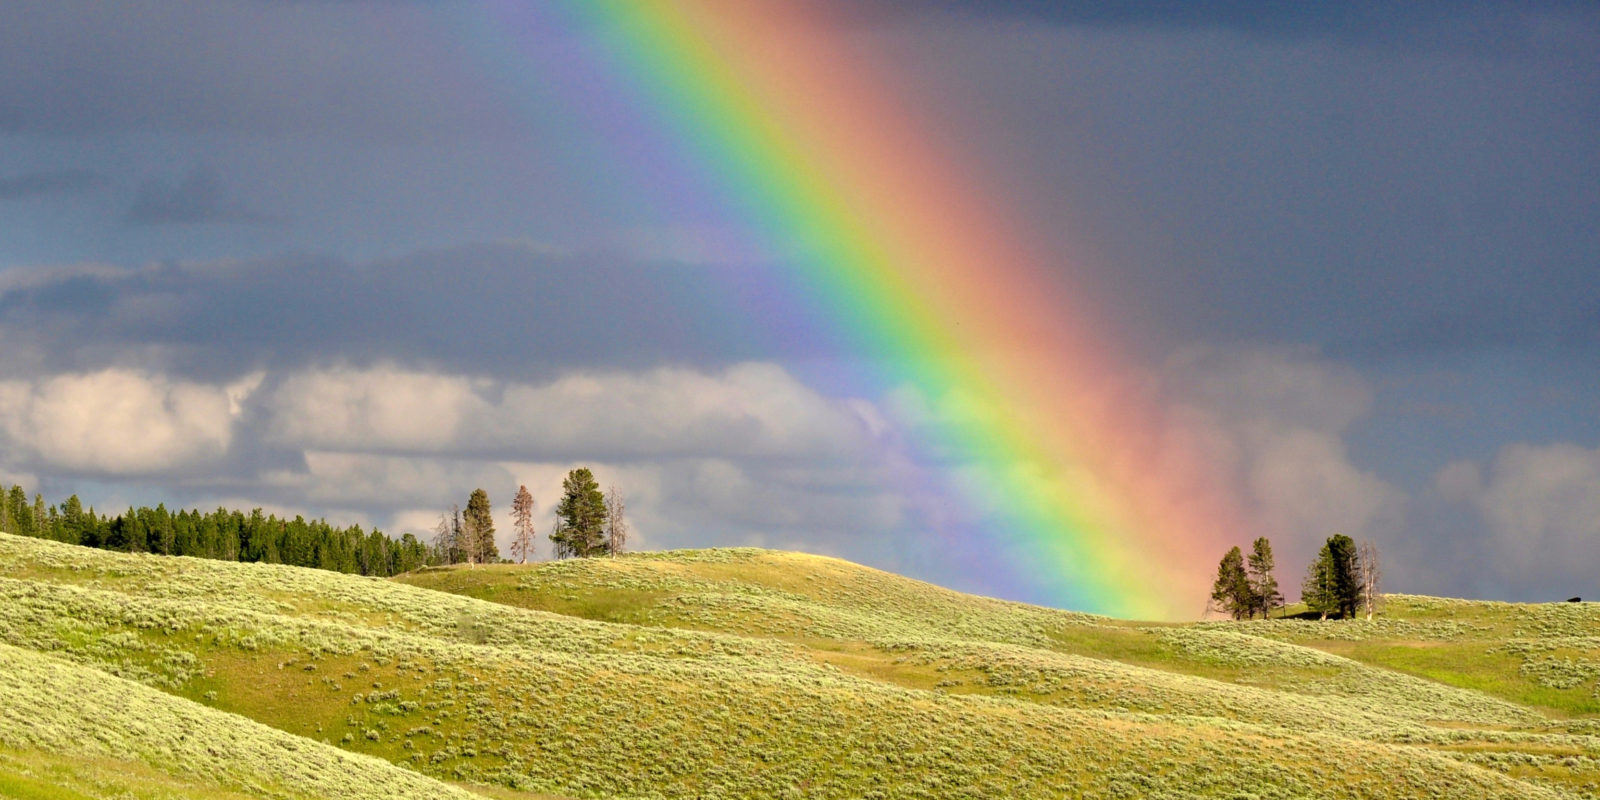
(751, 673)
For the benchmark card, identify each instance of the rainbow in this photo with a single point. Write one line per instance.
(919, 266)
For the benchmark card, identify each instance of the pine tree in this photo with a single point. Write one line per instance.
(163, 536)
(1263, 584)
(1346, 575)
(582, 515)
(1316, 591)
(479, 522)
(1332, 584)
(522, 546)
(21, 515)
(1231, 591)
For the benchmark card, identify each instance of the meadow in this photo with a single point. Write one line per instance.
(752, 673)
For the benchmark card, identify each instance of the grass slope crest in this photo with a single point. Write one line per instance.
(751, 673)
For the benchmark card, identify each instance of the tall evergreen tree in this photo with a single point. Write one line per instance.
(1317, 591)
(1333, 583)
(162, 535)
(522, 545)
(558, 538)
(1263, 584)
(72, 520)
(21, 515)
(1231, 590)
(410, 555)
(479, 521)
(89, 529)
(1346, 574)
(41, 518)
(582, 515)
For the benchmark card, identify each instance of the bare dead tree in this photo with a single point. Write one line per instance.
(447, 537)
(522, 545)
(1371, 577)
(616, 523)
(471, 548)
(442, 543)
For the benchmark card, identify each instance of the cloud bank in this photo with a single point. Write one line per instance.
(214, 382)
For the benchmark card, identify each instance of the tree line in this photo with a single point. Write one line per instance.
(221, 534)
(1342, 581)
(587, 523)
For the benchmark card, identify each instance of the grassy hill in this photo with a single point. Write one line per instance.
(749, 673)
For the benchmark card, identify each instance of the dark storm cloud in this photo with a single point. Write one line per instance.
(505, 310)
(198, 197)
(1480, 26)
(80, 66)
(1204, 185)
(49, 182)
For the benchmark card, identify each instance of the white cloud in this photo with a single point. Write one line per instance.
(746, 453)
(121, 421)
(1304, 485)
(1542, 507)
(727, 493)
(372, 410)
(703, 458)
(333, 478)
(1255, 429)
(749, 410)
(1262, 429)
(671, 503)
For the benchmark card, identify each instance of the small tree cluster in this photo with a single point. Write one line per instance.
(467, 537)
(1343, 579)
(588, 522)
(1245, 587)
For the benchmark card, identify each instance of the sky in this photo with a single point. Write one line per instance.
(355, 259)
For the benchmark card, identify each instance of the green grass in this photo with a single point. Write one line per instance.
(749, 673)
(1479, 666)
(70, 730)
(31, 774)
(33, 786)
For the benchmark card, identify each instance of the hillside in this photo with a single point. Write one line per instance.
(748, 673)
